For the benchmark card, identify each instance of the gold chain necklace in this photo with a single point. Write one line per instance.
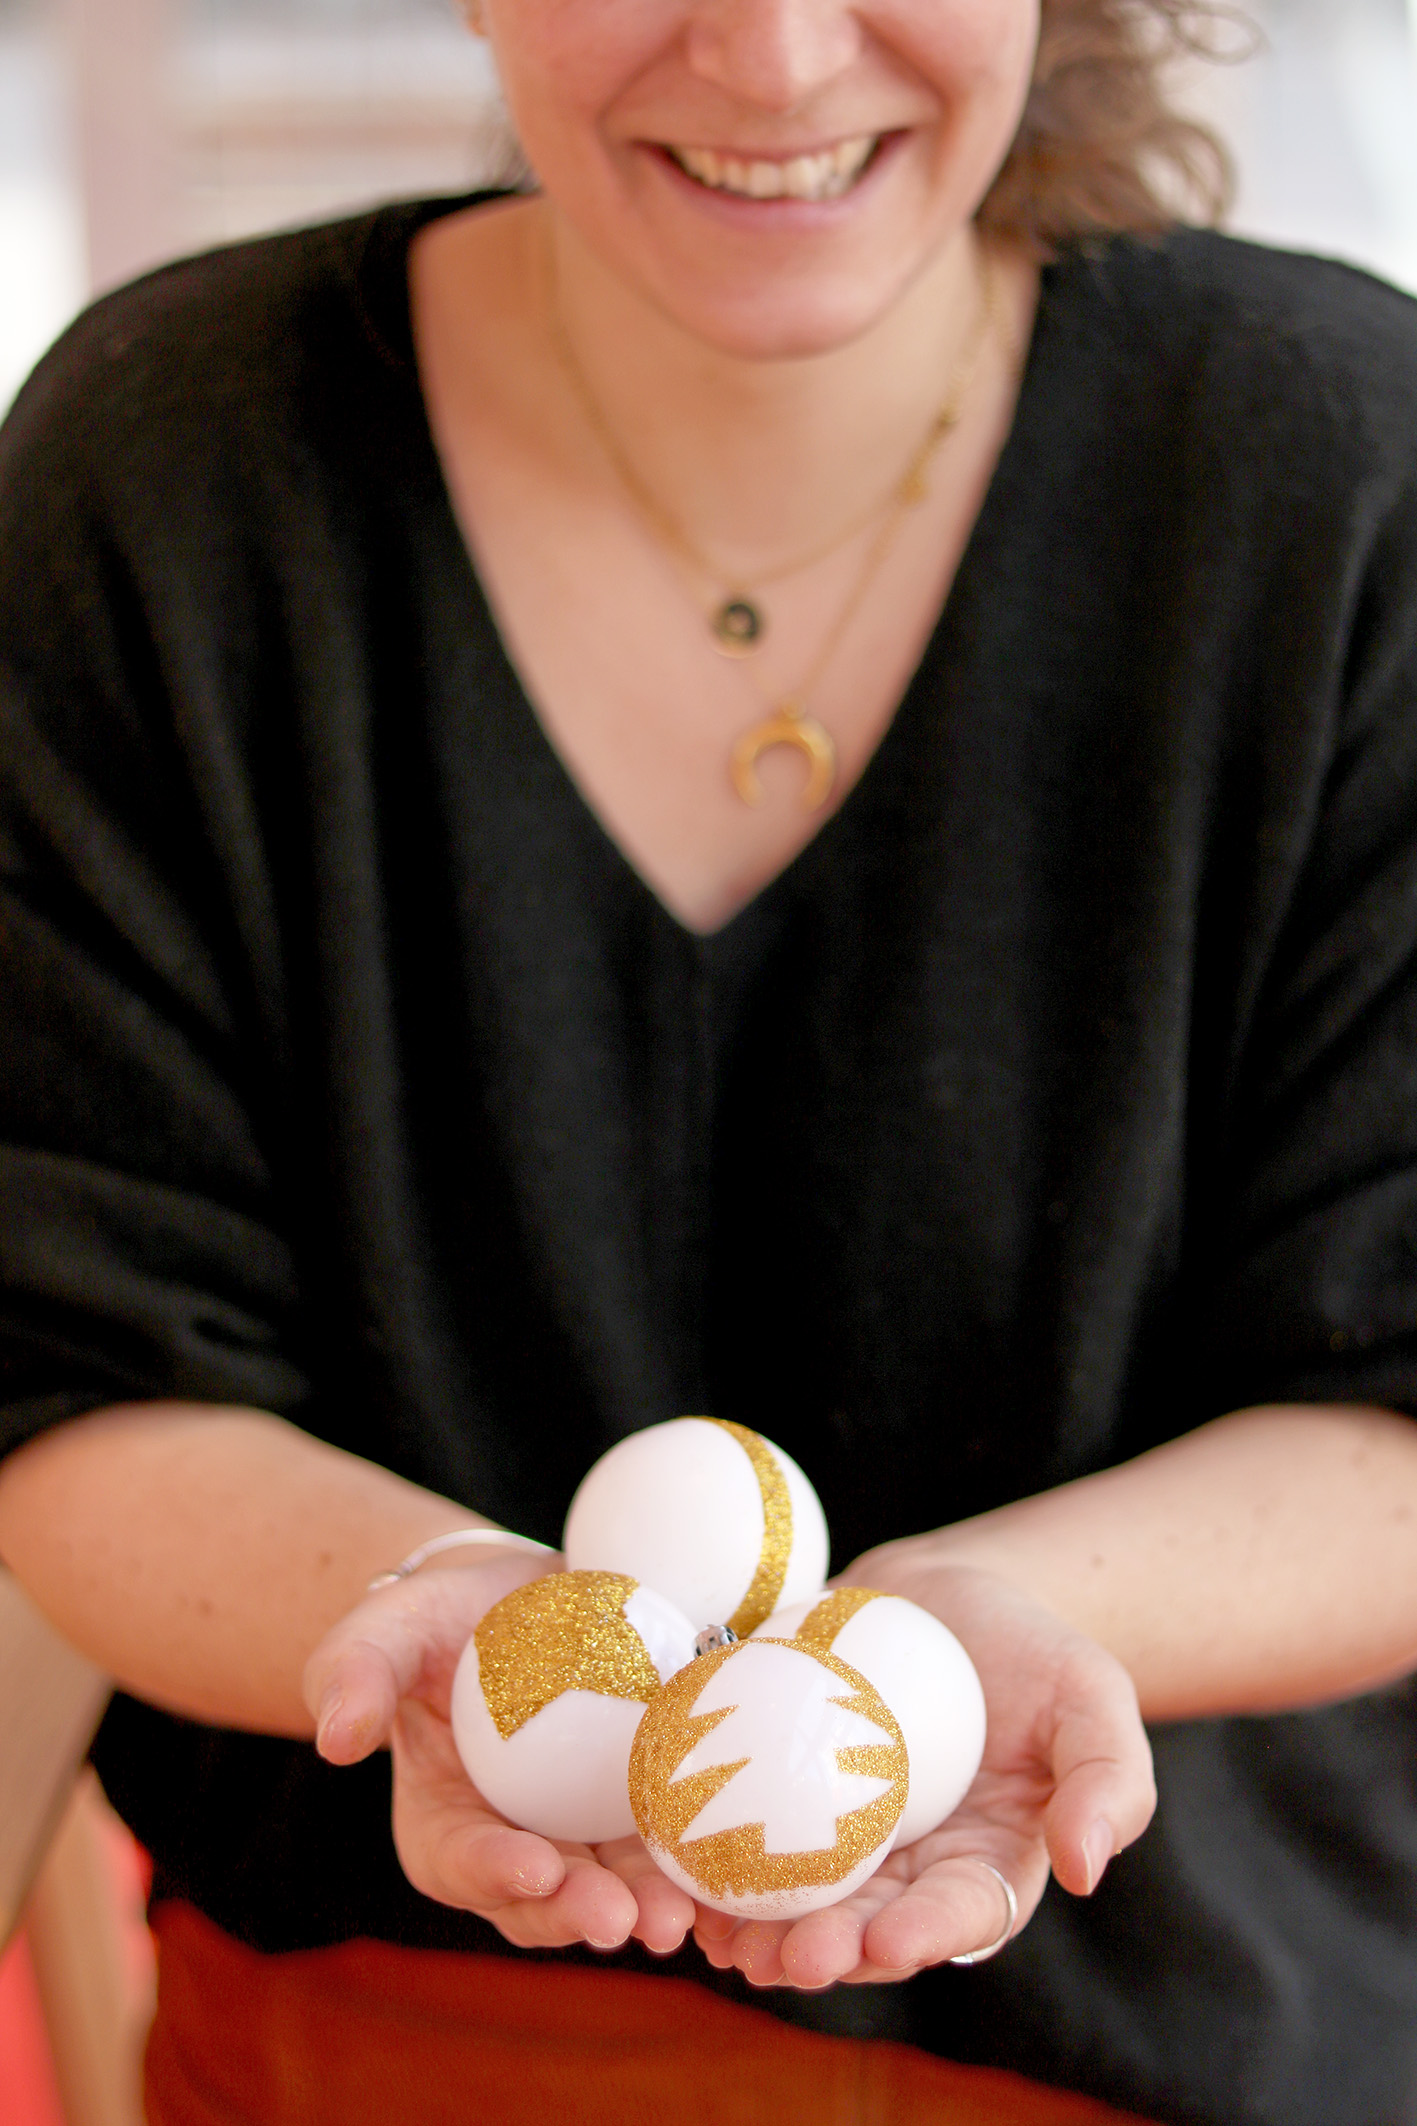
(736, 618)
(737, 622)
(788, 722)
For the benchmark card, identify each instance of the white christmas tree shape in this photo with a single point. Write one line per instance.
(785, 1721)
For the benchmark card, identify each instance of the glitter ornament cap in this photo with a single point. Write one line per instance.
(767, 1780)
(925, 1677)
(719, 1519)
(549, 1692)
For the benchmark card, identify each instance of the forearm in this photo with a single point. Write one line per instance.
(197, 1554)
(1268, 1560)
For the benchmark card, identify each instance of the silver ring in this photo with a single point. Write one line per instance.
(982, 1956)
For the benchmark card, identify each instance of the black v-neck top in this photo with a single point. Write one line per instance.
(1059, 1096)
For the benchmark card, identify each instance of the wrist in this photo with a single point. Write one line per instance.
(950, 1566)
(963, 1550)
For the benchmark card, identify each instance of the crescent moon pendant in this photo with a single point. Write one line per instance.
(782, 729)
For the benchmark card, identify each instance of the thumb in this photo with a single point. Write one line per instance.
(399, 1640)
(352, 1687)
(1105, 1792)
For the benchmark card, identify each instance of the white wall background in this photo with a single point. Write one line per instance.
(134, 129)
(1323, 122)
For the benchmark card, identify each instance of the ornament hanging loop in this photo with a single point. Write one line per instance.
(712, 1638)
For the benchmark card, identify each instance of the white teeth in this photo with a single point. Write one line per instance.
(853, 155)
(805, 178)
(812, 177)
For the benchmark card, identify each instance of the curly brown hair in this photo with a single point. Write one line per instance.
(1101, 147)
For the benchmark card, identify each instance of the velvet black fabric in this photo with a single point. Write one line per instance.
(1060, 1096)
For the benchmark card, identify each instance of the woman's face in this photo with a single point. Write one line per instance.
(771, 174)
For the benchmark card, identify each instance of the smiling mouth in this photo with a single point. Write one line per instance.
(828, 175)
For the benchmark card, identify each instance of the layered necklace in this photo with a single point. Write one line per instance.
(737, 619)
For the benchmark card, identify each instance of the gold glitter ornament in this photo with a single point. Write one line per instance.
(923, 1674)
(549, 1692)
(719, 1519)
(768, 1779)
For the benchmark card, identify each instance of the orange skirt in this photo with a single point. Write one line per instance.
(369, 2035)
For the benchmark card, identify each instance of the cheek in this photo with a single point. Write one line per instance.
(563, 63)
(969, 51)
(980, 62)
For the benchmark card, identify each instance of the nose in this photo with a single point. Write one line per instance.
(773, 53)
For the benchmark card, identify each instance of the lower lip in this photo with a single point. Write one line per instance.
(767, 215)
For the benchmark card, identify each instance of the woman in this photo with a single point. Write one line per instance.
(408, 1094)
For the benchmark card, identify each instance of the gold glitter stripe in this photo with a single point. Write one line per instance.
(835, 1610)
(567, 1631)
(765, 1589)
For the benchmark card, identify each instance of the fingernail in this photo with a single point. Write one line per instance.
(330, 1711)
(1097, 1849)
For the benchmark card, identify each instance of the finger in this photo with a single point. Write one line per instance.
(478, 1865)
(757, 1951)
(356, 1676)
(354, 1699)
(539, 1894)
(824, 1946)
(453, 1847)
(716, 1947)
(867, 1974)
(1106, 1787)
(714, 1926)
(954, 1908)
(412, 1632)
(462, 1854)
(451, 1844)
(592, 1905)
(665, 1912)
(827, 1946)
(719, 1936)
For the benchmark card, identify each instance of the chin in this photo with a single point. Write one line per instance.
(769, 329)
(790, 314)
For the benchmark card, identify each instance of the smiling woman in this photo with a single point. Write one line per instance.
(776, 780)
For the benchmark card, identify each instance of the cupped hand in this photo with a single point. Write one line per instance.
(1066, 1782)
(384, 1675)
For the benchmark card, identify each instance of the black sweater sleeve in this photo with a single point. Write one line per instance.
(142, 1250)
(1316, 1246)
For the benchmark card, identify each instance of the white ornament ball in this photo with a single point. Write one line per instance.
(719, 1519)
(549, 1692)
(926, 1678)
(768, 1778)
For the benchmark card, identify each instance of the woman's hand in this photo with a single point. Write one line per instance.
(385, 1675)
(1066, 1780)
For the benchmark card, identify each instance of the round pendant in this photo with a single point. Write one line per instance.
(738, 627)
